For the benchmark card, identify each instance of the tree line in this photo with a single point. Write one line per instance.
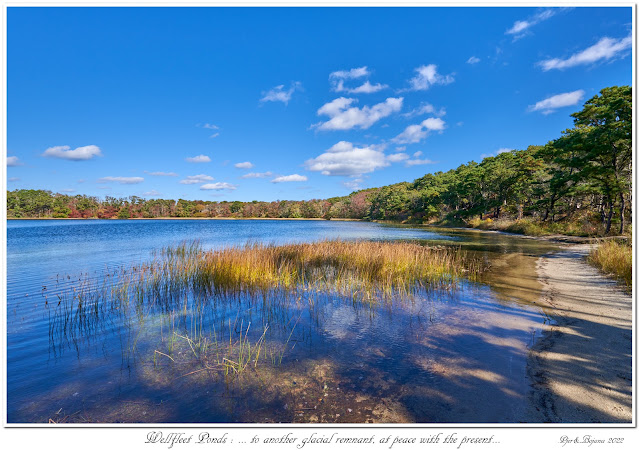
(29, 203)
(585, 173)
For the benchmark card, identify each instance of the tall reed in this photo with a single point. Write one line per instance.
(615, 258)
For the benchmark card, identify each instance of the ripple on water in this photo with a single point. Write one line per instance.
(330, 360)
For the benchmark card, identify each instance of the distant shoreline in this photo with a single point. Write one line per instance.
(191, 218)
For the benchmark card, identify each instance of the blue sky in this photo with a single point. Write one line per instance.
(291, 103)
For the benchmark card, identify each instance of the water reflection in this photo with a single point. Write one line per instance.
(439, 356)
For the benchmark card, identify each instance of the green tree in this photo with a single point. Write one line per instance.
(392, 202)
(236, 207)
(124, 213)
(604, 127)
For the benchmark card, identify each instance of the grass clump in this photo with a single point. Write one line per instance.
(580, 226)
(230, 357)
(195, 292)
(614, 257)
(526, 227)
(365, 267)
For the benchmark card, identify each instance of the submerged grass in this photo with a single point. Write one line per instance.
(614, 257)
(242, 351)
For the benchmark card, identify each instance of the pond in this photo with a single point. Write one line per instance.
(449, 355)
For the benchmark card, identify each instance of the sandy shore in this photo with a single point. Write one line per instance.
(582, 368)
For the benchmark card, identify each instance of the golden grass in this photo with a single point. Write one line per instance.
(182, 281)
(531, 227)
(363, 267)
(367, 272)
(615, 258)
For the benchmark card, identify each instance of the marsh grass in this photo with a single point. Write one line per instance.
(614, 257)
(188, 278)
(184, 291)
(578, 227)
(365, 270)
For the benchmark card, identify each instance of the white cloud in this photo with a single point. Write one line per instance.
(473, 60)
(78, 154)
(257, 175)
(289, 178)
(244, 165)
(350, 74)
(521, 27)
(415, 133)
(434, 123)
(367, 88)
(518, 27)
(336, 106)
(152, 193)
(504, 150)
(411, 135)
(426, 77)
(418, 162)
(354, 184)
(397, 157)
(13, 161)
(219, 186)
(163, 174)
(346, 117)
(425, 108)
(121, 180)
(196, 179)
(198, 159)
(13, 179)
(337, 81)
(210, 126)
(344, 159)
(278, 94)
(408, 162)
(607, 48)
(550, 104)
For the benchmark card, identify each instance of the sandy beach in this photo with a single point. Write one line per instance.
(582, 368)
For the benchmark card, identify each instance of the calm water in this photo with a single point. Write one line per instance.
(441, 357)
